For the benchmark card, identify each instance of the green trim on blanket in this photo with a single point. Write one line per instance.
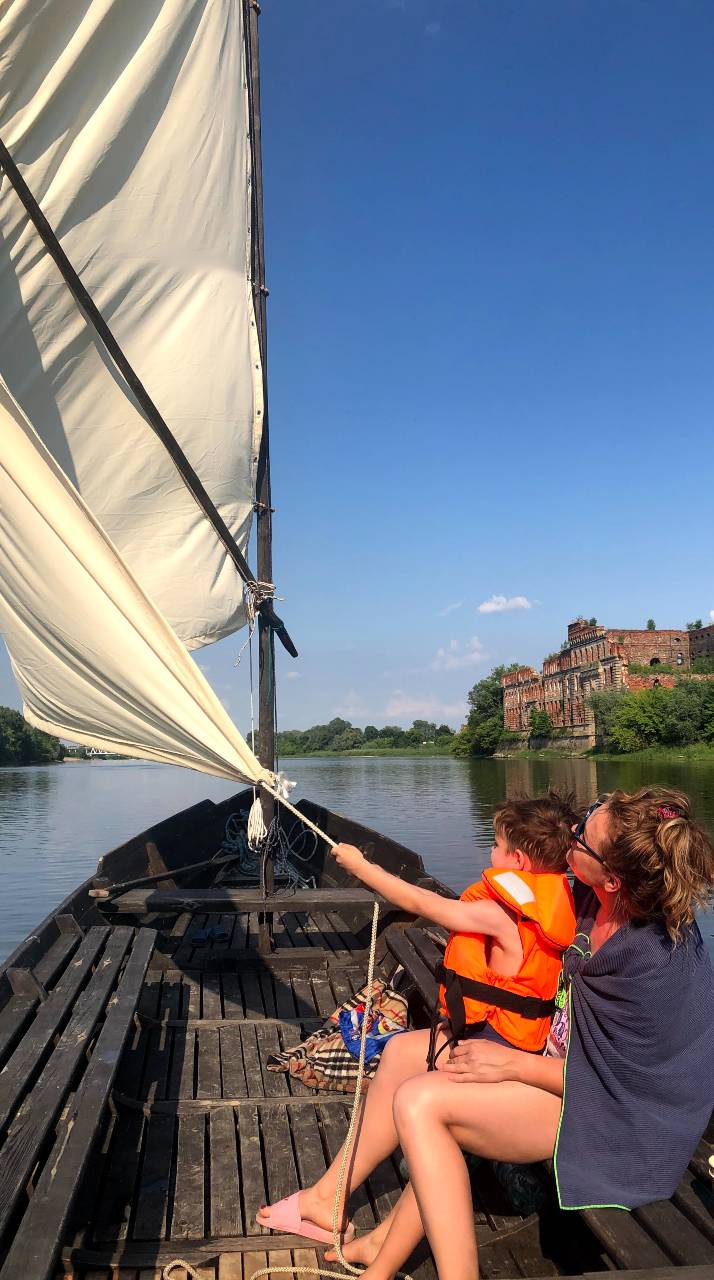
(560, 1121)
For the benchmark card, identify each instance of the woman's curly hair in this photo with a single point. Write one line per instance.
(663, 858)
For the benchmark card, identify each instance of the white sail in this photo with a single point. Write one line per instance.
(95, 661)
(128, 120)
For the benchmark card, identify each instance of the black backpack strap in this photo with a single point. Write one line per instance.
(457, 988)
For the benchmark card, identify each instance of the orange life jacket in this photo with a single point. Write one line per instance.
(522, 1003)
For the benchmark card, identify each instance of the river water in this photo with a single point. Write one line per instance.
(56, 820)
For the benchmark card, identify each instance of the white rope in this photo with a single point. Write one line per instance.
(349, 1271)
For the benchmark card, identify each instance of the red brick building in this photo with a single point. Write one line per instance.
(593, 658)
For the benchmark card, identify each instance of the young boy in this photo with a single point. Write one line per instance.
(508, 930)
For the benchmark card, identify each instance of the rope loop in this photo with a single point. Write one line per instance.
(179, 1262)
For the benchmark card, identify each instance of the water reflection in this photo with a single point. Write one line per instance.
(55, 821)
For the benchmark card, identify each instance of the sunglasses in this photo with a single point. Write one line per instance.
(578, 834)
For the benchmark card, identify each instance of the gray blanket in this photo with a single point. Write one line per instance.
(639, 1076)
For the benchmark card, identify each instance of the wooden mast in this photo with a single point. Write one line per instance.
(264, 514)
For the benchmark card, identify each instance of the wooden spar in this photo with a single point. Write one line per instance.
(264, 514)
(149, 410)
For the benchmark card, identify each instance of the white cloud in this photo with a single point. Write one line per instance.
(711, 614)
(502, 604)
(419, 708)
(450, 608)
(293, 675)
(352, 707)
(455, 658)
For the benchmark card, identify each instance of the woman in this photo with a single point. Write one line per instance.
(638, 1022)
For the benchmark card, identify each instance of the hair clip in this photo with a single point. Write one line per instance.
(666, 811)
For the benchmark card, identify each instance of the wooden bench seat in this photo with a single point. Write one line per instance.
(141, 901)
(54, 1089)
(669, 1234)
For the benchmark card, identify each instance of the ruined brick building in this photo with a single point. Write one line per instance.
(593, 658)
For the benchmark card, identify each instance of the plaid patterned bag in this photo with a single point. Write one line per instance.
(323, 1061)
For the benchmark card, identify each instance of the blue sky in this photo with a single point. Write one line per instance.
(490, 258)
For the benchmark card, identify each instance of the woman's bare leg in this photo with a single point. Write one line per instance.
(403, 1057)
(436, 1120)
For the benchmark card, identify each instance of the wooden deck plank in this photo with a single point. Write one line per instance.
(254, 1192)
(284, 999)
(695, 1198)
(232, 996)
(281, 1173)
(265, 979)
(232, 1068)
(113, 1211)
(38, 1239)
(15, 1017)
(41, 1107)
(623, 1239)
(334, 1123)
(323, 995)
(679, 1238)
(252, 994)
(225, 1210)
(32, 1052)
(304, 998)
(54, 960)
(209, 1065)
(152, 1200)
(158, 1059)
(212, 1005)
(308, 1145)
(187, 1217)
(251, 1061)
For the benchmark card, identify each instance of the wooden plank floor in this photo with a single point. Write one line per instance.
(202, 1133)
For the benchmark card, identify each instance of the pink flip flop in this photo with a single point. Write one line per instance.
(285, 1216)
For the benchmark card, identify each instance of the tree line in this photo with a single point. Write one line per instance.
(340, 735)
(21, 744)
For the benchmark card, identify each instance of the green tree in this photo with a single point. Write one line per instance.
(347, 740)
(592, 622)
(651, 624)
(641, 720)
(370, 732)
(484, 727)
(444, 731)
(21, 744)
(605, 705)
(425, 729)
(540, 723)
(695, 626)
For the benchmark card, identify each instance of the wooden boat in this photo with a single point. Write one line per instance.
(139, 1122)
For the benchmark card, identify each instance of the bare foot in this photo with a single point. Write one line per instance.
(312, 1205)
(363, 1249)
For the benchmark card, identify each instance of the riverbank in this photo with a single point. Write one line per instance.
(696, 753)
(367, 752)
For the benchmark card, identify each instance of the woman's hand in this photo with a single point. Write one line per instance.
(481, 1062)
(350, 858)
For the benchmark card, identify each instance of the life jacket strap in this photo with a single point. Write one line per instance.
(457, 988)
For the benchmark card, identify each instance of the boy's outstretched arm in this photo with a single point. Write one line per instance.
(454, 915)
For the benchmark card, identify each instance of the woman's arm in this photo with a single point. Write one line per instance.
(454, 915)
(483, 1062)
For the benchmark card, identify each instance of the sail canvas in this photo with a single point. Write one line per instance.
(128, 120)
(94, 659)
